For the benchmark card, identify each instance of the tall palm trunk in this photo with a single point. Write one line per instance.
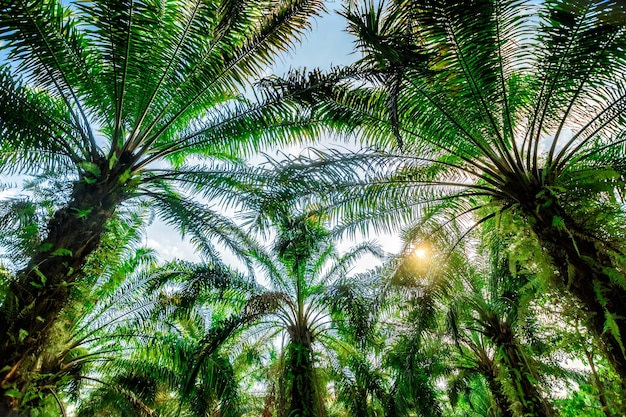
(43, 287)
(583, 267)
(489, 370)
(270, 402)
(305, 400)
(529, 401)
(598, 383)
(360, 407)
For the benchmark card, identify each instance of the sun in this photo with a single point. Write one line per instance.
(421, 252)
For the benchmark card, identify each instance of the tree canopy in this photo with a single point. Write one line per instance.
(491, 136)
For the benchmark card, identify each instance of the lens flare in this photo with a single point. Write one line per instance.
(421, 253)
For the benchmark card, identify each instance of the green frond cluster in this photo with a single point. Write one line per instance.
(492, 137)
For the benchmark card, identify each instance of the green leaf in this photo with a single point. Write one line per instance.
(558, 222)
(13, 393)
(23, 334)
(113, 160)
(40, 275)
(61, 252)
(45, 247)
(616, 276)
(90, 167)
(82, 213)
(611, 325)
(125, 176)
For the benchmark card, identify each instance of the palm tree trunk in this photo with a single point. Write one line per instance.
(360, 403)
(390, 408)
(43, 288)
(583, 268)
(302, 403)
(488, 369)
(597, 382)
(501, 402)
(529, 401)
(270, 402)
(304, 393)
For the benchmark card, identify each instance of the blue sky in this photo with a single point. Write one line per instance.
(326, 45)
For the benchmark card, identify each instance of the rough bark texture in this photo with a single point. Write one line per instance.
(501, 404)
(529, 401)
(42, 289)
(304, 395)
(582, 264)
(270, 402)
(599, 384)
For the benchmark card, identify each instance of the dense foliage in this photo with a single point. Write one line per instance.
(492, 143)
(110, 99)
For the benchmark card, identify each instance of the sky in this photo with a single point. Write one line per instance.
(328, 44)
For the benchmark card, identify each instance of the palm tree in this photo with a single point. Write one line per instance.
(478, 370)
(111, 98)
(171, 360)
(361, 382)
(485, 344)
(137, 338)
(91, 312)
(492, 311)
(300, 270)
(490, 109)
(418, 355)
(305, 277)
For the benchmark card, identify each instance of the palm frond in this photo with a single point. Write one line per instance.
(204, 225)
(43, 37)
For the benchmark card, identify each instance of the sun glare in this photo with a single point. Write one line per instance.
(421, 253)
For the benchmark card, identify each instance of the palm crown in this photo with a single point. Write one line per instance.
(502, 110)
(310, 299)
